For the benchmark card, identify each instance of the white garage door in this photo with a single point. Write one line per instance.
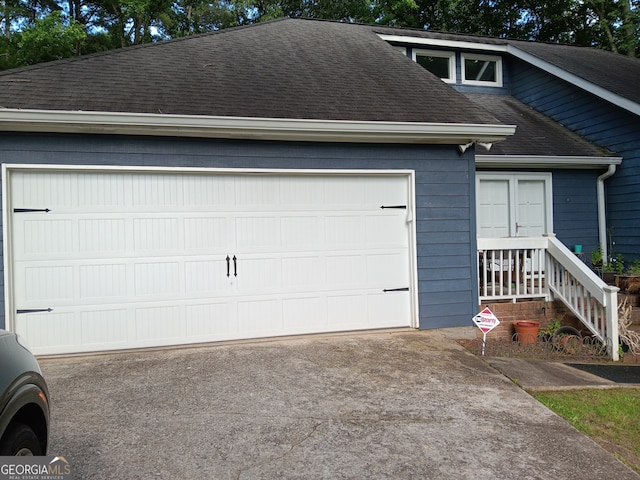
(112, 260)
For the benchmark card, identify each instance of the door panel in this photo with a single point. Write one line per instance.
(510, 205)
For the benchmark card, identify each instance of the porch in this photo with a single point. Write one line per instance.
(517, 269)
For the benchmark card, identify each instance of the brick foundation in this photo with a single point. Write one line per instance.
(536, 310)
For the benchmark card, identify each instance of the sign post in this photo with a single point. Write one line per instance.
(486, 321)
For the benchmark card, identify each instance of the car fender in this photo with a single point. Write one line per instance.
(27, 390)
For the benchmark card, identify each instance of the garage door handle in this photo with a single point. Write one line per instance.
(235, 266)
(405, 289)
(228, 265)
(35, 310)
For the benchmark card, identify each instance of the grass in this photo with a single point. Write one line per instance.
(611, 417)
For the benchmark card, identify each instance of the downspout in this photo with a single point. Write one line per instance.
(602, 220)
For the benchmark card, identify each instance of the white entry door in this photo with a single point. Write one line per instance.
(513, 205)
(111, 260)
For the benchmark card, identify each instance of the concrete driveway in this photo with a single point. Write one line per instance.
(390, 404)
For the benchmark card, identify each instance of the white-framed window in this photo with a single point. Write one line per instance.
(481, 70)
(441, 64)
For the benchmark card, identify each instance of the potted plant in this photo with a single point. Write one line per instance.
(527, 331)
(614, 267)
(629, 280)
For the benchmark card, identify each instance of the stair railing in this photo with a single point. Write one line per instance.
(518, 268)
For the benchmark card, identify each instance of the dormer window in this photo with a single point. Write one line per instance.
(441, 64)
(481, 70)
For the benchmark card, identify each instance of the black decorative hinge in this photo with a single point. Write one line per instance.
(402, 207)
(30, 210)
(35, 310)
(405, 289)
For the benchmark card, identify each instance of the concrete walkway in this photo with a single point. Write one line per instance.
(399, 404)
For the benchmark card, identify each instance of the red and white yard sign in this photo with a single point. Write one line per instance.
(486, 321)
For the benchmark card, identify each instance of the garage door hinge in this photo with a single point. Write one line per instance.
(35, 310)
(405, 289)
(403, 207)
(29, 210)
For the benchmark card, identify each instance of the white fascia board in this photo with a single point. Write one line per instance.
(54, 121)
(545, 161)
(579, 82)
(436, 42)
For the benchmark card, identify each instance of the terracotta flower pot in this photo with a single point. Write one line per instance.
(527, 331)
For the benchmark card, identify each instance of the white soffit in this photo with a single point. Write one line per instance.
(554, 70)
(55, 121)
(545, 162)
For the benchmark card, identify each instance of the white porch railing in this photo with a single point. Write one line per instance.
(542, 267)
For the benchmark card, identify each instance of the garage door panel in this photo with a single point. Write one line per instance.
(202, 192)
(140, 259)
(262, 317)
(156, 323)
(257, 232)
(303, 273)
(48, 236)
(345, 311)
(45, 284)
(388, 308)
(302, 232)
(157, 234)
(346, 270)
(100, 236)
(211, 320)
(206, 277)
(208, 234)
(103, 281)
(105, 327)
(153, 192)
(344, 231)
(384, 230)
(302, 315)
(43, 330)
(157, 278)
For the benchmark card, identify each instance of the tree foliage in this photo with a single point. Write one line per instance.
(39, 30)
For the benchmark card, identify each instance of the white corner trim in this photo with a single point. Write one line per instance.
(546, 161)
(56, 121)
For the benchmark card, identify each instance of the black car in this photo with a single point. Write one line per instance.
(24, 400)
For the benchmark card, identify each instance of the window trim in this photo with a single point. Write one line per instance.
(473, 56)
(451, 56)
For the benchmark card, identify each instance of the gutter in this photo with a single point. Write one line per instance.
(602, 215)
(284, 129)
(546, 161)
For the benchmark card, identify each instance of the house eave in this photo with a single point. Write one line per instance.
(284, 129)
(539, 161)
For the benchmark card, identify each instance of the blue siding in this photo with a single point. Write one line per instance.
(444, 193)
(575, 209)
(605, 125)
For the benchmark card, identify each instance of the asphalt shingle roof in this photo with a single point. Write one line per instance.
(279, 69)
(536, 134)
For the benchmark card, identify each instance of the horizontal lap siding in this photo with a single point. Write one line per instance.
(575, 209)
(447, 279)
(605, 125)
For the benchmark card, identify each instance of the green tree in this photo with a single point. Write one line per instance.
(49, 39)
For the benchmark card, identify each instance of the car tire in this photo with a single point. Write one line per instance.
(21, 440)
